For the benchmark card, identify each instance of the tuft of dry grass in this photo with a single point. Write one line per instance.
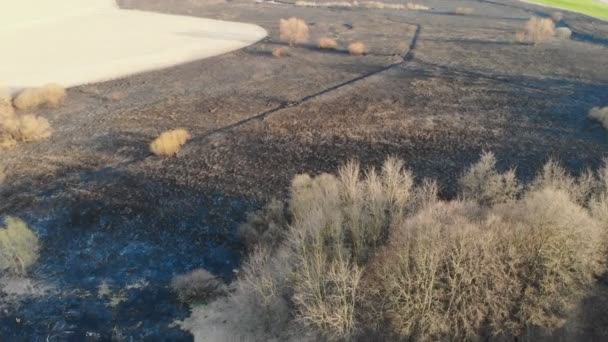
(19, 128)
(293, 31)
(357, 49)
(463, 10)
(280, 52)
(537, 30)
(416, 7)
(563, 32)
(170, 142)
(196, 286)
(600, 115)
(32, 128)
(51, 95)
(327, 43)
(19, 246)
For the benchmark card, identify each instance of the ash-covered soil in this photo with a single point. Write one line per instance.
(436, 90)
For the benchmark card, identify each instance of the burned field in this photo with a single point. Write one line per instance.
(436, 89)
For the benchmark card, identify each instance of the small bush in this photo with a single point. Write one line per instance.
(51, 95)
(170, 142)
(198, 285)
(19, 247)
(600, 115)
(293, 30)
(416, 7)
(327, 43)
(358, 49)
(463, 10)
(563, 33)
(537, 30)
(280, 52)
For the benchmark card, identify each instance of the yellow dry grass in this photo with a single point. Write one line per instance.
(327, 43)
(358, 49)
(51, 95)
(19, 246)
(170, 142)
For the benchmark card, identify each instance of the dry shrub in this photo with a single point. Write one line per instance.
(51, 95)
(293, 30)
(369, 251)
(265, 228)
(557, 16)
(553, 176)
(358, 49)
(537, 30)
(327, 43)
(20, 128)
(170, 142)
(280, 52)
(600, 115)
(196, 286)
(563, 32)
(463, 10)
(19, 246)
(482, 183)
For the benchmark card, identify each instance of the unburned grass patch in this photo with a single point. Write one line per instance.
(293, 31)
(600, 115)
(537, 30)
(51, 95)
(358, 49)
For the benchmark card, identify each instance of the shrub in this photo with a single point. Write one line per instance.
(482, 183)
(266, 227)
(293, 30)
(327, 43)
(416, 7)
(357, 49)
(537, 30)
(371, 252)
(51, 95)
(463, 10)
(280, 52)
(600, 115)
(563, 32)
(32, 128)
(170, 142)
(198, 285)
(19, 246)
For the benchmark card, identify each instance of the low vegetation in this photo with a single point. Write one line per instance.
(600, 115)
(280, 52)
(363, 4)
(463, 10)
(563, 33)
(537, 30)
(373, 253)
(170, 142)
(293, 31)
(51, 95)
(327, 43)
(19, 247)
(15, 128)
(557, 16)
(357, 49)
(197, 286)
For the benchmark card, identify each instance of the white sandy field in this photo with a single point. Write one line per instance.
(73, 42)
